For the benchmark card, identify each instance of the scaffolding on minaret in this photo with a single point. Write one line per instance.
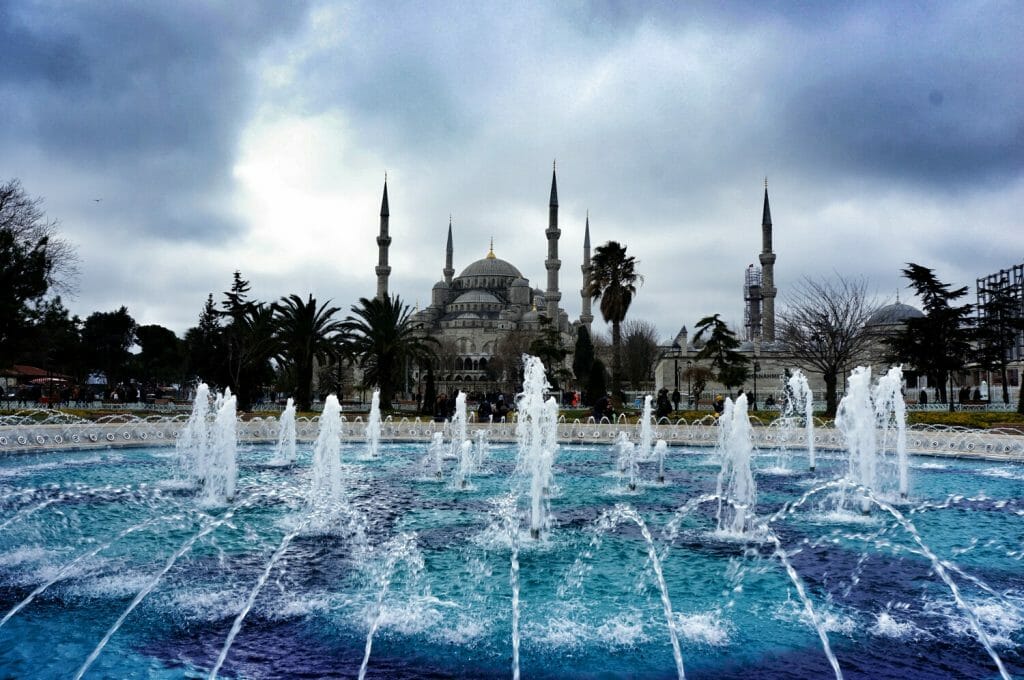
(752, 298)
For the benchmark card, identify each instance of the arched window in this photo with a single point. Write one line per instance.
(483, 364)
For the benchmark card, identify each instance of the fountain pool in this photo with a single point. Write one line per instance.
(412, 578)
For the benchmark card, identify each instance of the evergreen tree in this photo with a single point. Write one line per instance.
(205, 352)
(939, 343)
(582, 361)
(597, 381)
(720, 347)
(24, 274)
(548, 347)
(249, 341)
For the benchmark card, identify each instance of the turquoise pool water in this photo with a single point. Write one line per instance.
(428, 565)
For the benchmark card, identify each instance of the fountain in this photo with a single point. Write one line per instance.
(326, 488)
(626, 460)
(435, 454)
(660, 449)
(284, 452)
(864, 414)
(222, 470)
(483, 446)
(735, 484)
(646, 434)
(535, 435)
(193, 445)
(103, 572)
(801, 401)
(465, 469)
(458, 426)
(373, 426)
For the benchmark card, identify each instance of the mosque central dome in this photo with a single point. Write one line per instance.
(491, 266)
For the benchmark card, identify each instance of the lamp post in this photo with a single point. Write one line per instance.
(675, 361)
(689, 373)
(757, 367)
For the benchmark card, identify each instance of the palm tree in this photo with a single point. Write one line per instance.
(612, 282)
(382, 337)
(306, 334)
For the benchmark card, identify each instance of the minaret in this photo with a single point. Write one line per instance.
(449, 254)
(767, 258)
(383, 242)
(585, 316)
(552, 263)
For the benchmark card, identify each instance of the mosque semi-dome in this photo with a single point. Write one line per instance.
(896, 313)
(476, 296)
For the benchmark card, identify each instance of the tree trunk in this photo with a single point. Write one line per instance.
(1006, 386)
(304, 387)
(616, 360)
(830, 394)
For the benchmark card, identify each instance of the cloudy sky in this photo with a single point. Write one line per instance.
(249, 136)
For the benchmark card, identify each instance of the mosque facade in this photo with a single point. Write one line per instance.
(489, 311)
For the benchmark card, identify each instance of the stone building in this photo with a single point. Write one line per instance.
(770, 359)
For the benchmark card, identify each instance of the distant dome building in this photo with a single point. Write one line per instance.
(896, 314)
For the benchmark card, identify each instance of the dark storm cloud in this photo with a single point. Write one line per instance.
(148, 95)
(924, 96)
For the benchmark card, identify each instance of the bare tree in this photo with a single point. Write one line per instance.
(24, 218)
(824, 325)
(640, 342)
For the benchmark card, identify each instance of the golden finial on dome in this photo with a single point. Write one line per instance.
(490, 253)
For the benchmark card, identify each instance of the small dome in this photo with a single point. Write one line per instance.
(893, 314)
(441, 284)
(477, 296)
(532, 316)
(521, 283)
(491, 266)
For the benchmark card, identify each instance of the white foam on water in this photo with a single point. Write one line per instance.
(20, 556)
(175, 484)
(410, 617)
(466, 631)
(559, 632)
(113, 586)
(931, 466)
(706, 627)
(209, 605)
(887, 626)
(624, 630)
(300, 607)
(27, 470)
(777, 471)
(830, 620)
(1000, 619)
(1004, 473)
(847, 517)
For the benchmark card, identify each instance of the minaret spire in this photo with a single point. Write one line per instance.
(552, 263)
(767, 259)
(449, 254)
(382, 269)
(586, 318)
